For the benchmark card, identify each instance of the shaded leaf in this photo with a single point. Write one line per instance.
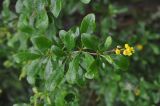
(121, 62)
(89, 41)
(41, 42)
(57, 51)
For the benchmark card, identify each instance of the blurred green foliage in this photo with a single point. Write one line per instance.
(65, 51)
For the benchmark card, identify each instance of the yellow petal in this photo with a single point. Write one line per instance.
(126, 46)
(127, 52)
(132, 49)
(117, 51)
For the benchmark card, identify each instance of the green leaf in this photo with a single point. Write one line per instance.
(48, 69)
(19, 6)
(89, 65)
(25, 56)
(41, 42)
(39, 5)
(62, 33)
(71, 75)
(68, 39)
(51, 30)
(155, 48)
(88, 24)
(57, 51)
(6, 4)
(108, 58)
(88, 60)
(59, 97)
(32, 68)
(56, 6)
(110, 93)
(85, 1)
(80, 77)
(31, 79)
(91, 71)
(23, 24)
(21, 104)
(131, 96)
(42, 20)
(108, 42)
(75, 30)
(89, 41)
(121, 62)
(56, 77)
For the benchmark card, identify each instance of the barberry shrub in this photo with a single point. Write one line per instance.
(72, 60)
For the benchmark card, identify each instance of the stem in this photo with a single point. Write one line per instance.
(35, 101)
(92, 53)
(95, 53)
(110, 51)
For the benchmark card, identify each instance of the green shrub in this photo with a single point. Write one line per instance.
(76, 53)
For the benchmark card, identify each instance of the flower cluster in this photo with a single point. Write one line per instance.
(127, 50)
(139, 47)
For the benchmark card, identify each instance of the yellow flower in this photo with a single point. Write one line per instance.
(128, 50)
(139, 46)
(137, 92)
(117, 51)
